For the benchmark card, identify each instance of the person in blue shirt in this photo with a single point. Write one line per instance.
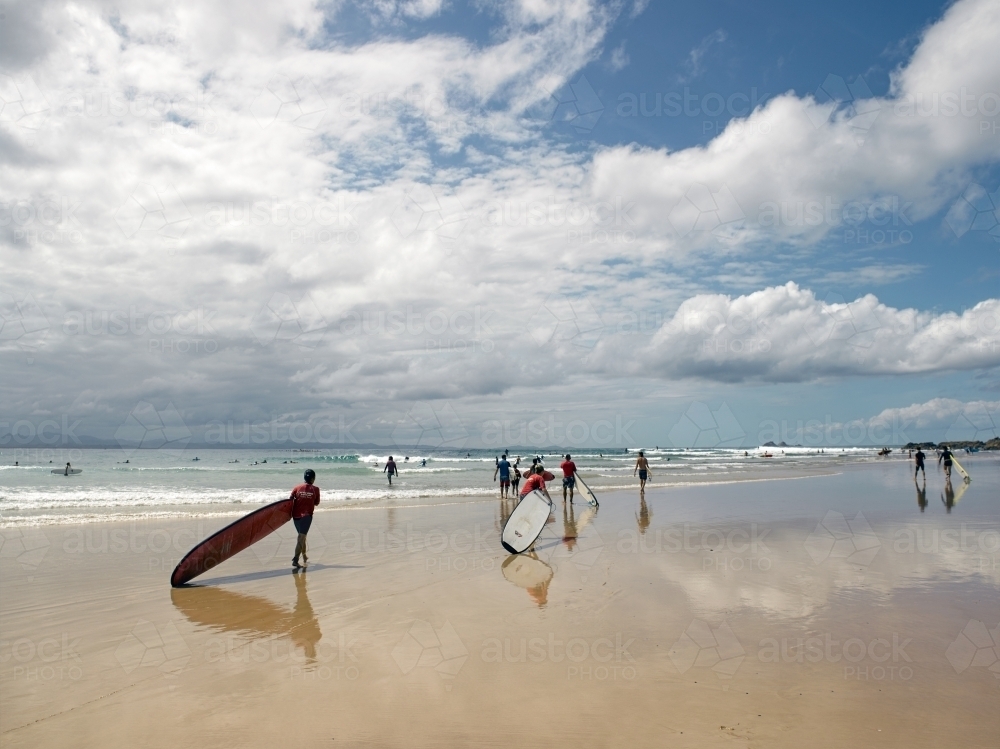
(503, 470)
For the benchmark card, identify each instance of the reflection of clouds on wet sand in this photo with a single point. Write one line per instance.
(788, 582)
(252, 616)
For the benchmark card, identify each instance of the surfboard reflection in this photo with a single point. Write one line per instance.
(253, 616)
(950, 496)
(531, 573)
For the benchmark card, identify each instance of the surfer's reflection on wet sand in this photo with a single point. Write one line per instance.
(921, 496)
(570, 532)
(531, 573)
(950, 496)
(644, 517)
(252, 616)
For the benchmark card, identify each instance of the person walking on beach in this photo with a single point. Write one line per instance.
(945, 456)
(503, 469)
(644, 471)
(919, 460)
(390, 468)
(304, 498)
(515, 480)
(535, 481)
(569, 477)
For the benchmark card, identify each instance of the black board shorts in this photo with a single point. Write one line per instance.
(642, 474)
(302, 524)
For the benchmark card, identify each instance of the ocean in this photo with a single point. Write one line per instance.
(159, 483)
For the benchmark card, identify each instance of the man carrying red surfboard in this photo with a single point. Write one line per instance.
(304, 498)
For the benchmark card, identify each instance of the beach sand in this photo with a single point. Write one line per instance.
(817, 611)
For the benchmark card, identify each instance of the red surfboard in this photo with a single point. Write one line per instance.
(231, 540)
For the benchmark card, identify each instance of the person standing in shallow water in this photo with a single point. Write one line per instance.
(945, 456)
(304, 498)
(390, 468)
(503, 469)
(643, 469)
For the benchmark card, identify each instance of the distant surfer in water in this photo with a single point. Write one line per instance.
(66, 472)
(945, 456)
(535, 481)
(390, 468)
(643, 469)
(304, 498)
(919, 460)
(569, 477)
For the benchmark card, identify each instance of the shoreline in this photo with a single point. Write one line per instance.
(114, 513)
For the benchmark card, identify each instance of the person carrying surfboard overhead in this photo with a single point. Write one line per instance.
(535, 481)
(304, 498)
(946, 456)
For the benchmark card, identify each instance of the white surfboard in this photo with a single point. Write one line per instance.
(586, 491)
(525, 522)
(62, 471)
(958, 466)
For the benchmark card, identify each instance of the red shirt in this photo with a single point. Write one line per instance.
(568, 467)
(304, 497)
(533, 482)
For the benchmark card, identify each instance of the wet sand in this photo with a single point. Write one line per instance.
(820, 611)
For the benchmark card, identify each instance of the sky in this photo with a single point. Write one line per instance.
(486, 224)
